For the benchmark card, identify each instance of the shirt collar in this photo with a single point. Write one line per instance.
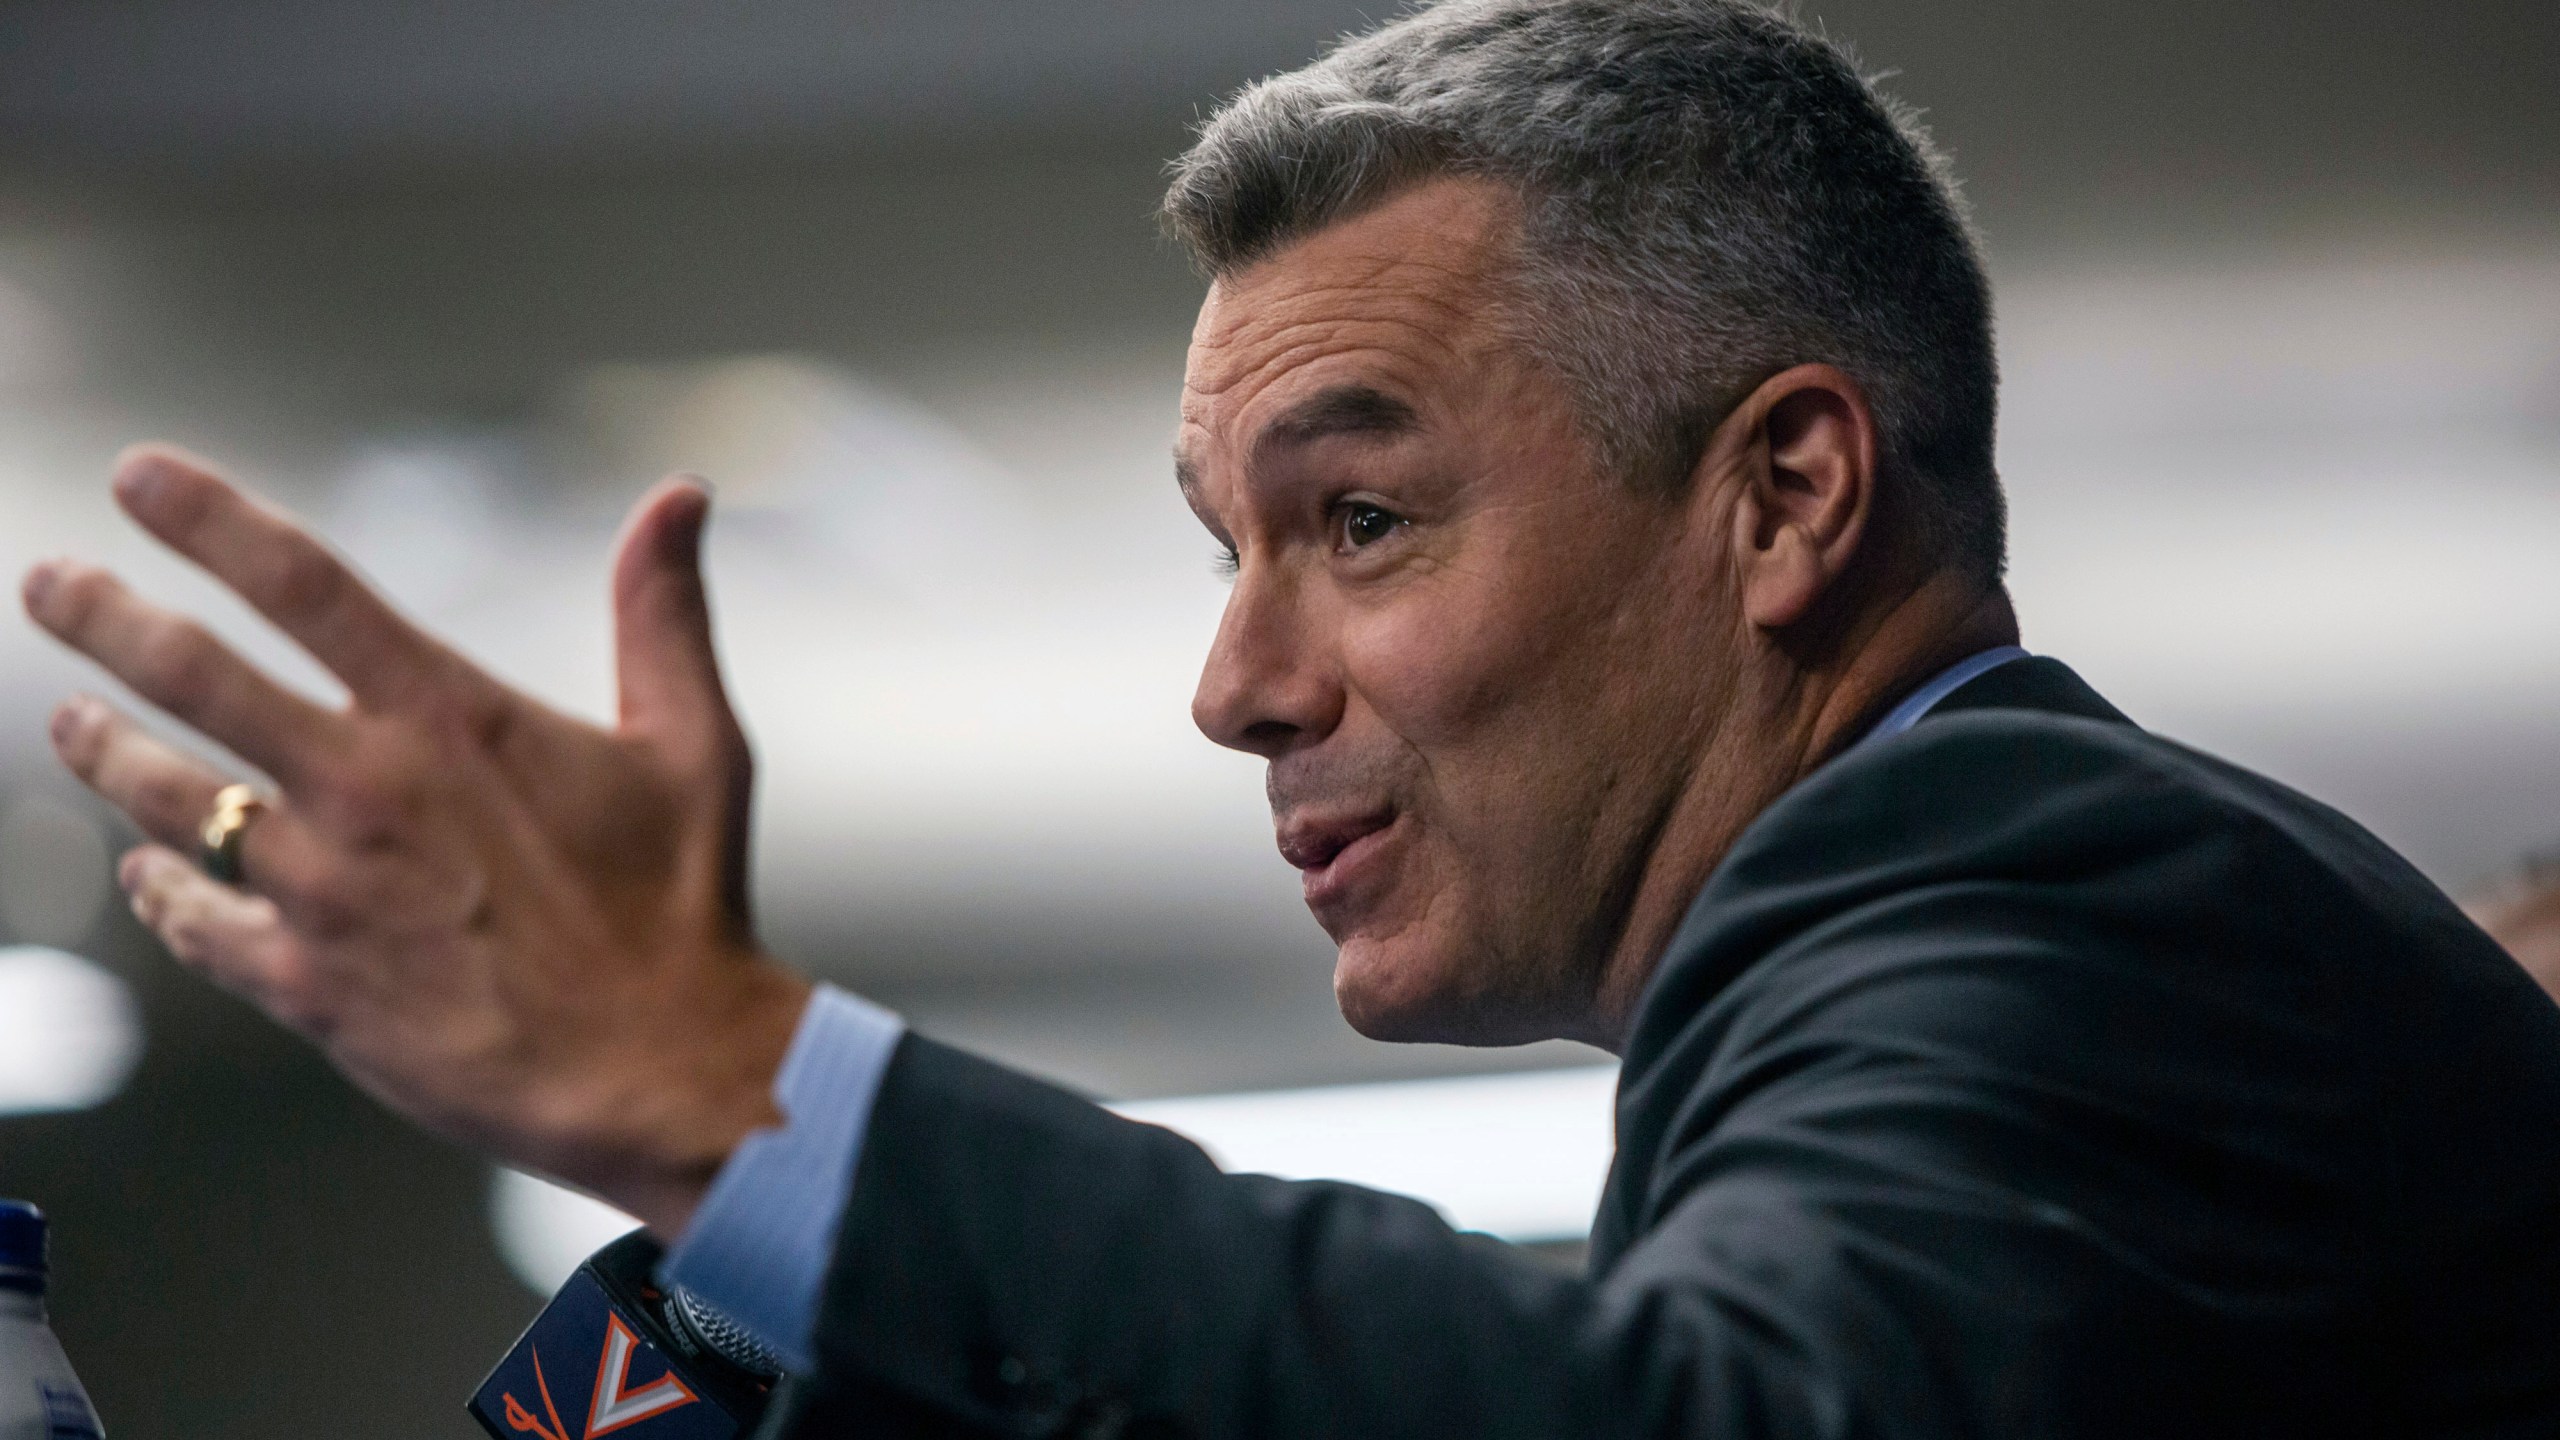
(1941, 685)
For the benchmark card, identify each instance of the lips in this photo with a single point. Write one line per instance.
(1332, 856)
(1312, 844)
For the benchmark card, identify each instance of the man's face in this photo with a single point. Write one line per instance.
(1480, 668)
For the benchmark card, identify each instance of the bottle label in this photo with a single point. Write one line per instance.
(67, 1415)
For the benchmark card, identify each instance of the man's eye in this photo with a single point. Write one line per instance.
(1364, 524)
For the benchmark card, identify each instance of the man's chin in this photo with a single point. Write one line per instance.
(1410, 999)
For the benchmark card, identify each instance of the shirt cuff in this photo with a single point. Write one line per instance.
(758, 1247)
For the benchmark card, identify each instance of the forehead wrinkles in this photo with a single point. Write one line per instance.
(1413, 321)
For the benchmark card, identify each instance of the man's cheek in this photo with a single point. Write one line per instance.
(1432, 672)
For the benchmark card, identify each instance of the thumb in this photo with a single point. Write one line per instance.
(668, 674)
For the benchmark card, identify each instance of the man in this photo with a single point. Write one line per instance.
(1595, 404)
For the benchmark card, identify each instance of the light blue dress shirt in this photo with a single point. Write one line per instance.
(759, 1245)
(1941, 685)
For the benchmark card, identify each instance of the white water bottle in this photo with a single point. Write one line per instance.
(40, 1399)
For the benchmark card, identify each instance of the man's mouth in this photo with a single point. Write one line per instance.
(1330, 852)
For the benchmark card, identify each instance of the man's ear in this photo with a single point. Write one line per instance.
(1803, 448)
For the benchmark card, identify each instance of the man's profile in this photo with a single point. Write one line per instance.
(1595, 405)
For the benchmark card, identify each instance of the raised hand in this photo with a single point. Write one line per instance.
(523, 931)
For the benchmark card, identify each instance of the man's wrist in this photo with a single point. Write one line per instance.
(762, 1237)
(686, 1106)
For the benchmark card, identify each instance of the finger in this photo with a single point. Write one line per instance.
(239, 941)
(284, 573)
(179, 666)
(166, 792)
(668, 670)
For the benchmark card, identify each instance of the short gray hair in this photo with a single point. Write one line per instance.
(1712, 194)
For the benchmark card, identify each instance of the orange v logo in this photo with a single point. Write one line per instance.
(616, 1404)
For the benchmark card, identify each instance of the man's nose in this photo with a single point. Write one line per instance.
(1269, 685)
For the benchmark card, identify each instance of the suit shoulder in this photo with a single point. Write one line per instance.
(1984, 830)
(2021, 793)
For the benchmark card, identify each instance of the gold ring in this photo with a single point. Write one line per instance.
(234, 806)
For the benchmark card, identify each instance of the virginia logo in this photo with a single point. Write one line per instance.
(616, 1403)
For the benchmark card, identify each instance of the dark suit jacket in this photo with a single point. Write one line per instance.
(2020, 1075)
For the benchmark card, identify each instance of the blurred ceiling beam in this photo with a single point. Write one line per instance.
(2325, 104)
(332, 86)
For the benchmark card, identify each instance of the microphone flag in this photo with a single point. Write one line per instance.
(602, 1359)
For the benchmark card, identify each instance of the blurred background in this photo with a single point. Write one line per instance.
(2280, 302)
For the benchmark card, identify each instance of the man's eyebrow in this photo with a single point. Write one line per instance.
(1337, 410)
(1334, 410)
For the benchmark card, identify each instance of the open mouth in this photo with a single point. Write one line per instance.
(1331, 853)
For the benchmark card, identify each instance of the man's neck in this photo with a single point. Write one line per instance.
(1788, 719)
(1936, 626)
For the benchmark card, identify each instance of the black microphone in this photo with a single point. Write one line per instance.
(616, 1351)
